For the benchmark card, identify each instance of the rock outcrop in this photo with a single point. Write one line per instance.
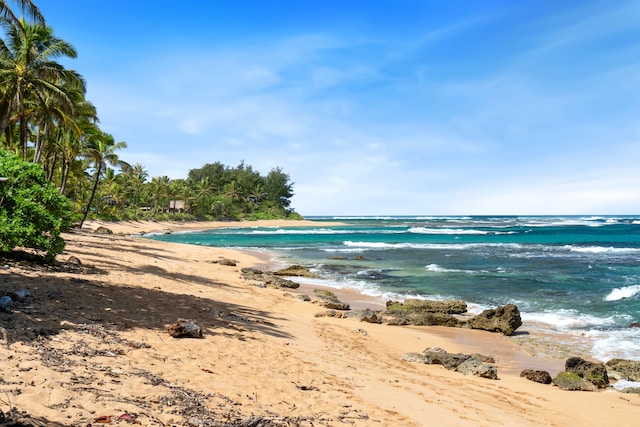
(594, 372)
(505, 319)
(582, 375)
(267, 279)
(623, 369)
(329, 300)
(296, 270)
(573, 382)
(467, 364)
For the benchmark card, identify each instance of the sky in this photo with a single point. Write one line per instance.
(376, 107)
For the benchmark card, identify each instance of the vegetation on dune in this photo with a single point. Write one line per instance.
(46, 120)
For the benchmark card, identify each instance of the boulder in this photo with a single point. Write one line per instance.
(623, 369)
(594, 372)
(542, 377)
(573, 382)
(505, 319)
(431, 306)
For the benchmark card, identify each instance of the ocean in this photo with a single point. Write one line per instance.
(575, 279)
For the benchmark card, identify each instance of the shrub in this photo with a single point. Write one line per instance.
(32, 212)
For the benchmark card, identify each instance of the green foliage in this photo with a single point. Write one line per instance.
(32, 212)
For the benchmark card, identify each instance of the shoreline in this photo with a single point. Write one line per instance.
(91, 341)
(525, 350)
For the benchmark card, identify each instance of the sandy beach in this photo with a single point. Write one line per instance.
(89, 346)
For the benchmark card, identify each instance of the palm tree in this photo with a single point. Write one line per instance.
(28, 8)
(30, 79)
(202, 190)
(101, 150)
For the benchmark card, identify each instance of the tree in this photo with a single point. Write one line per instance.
(28, 8)
(30, 79)
(32, 212)
(101, 150)
(278, 188)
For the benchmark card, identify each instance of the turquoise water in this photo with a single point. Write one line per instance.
(572, 276)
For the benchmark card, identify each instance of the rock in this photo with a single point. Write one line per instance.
(249, 273)
(464, 363)
(413, 357)
(329, 300)
(329, 313)
(573, 382)
(594, 372)
(302, 297)
(634, 325)
(184, 328)
(417, 318)
(20, 295)
(227, 262)
(505, 319)
(438, 356)
(366, 315)
(4, 304)
(279, 282)
(74, 260)
(542, 377)
(475, 366)
(431, 306)
(623, 369)
(102, 230)
(296, 270)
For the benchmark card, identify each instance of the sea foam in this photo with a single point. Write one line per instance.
(621, 293)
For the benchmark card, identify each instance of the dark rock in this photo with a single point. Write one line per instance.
(279, 282)
(542, 377)
(505, 319)
(594, 372)
(431, 306)
(623, 369)
(103, 230)
(296, 270)
(573, 382)
(634, 325)
(184, 328)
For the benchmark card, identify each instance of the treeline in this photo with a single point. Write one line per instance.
(46, 119)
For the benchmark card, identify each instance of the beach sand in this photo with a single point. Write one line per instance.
(90, 345)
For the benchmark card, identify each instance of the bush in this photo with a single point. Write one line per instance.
(32, 212)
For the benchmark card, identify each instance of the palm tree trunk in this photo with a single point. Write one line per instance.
(93, 193)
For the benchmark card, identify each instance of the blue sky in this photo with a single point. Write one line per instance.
(376, 107)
